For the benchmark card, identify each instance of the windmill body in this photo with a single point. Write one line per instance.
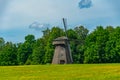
(62, 53)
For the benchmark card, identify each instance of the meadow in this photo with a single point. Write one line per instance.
(61, 72)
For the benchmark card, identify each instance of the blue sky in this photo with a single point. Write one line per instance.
(16, 16)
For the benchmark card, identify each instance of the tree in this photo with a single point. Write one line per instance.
(26, 49)
(38, 52)
(80, 33)
(113, 45)
(8, 54)
(30, 38)
(95, 46)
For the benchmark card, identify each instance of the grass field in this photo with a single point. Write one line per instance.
(61, 72)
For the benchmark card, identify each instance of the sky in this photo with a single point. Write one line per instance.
(18, 18)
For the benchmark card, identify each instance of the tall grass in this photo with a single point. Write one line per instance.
(61, 72)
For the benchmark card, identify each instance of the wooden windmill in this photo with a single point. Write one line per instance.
(62, 53)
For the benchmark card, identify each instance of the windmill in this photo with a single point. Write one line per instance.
(62, 53)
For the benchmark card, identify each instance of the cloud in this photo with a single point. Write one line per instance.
(37, 26)
(85, 4)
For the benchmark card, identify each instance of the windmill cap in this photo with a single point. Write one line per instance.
(60, 40)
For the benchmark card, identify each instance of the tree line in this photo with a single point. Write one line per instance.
(102, 45)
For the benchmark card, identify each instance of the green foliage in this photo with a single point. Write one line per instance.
(25, 50)
(95, 46)
(78, 43)
(38, 52)
(100, 46)
(8, 55)
(113, 46)
(29, 38)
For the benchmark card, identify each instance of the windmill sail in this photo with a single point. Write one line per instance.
(65, 26)
(68, 45)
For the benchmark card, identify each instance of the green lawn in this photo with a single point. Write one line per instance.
(61, 72)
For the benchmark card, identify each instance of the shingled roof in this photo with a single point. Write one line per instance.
(60, 40)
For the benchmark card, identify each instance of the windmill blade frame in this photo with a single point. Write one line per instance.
(65, 26)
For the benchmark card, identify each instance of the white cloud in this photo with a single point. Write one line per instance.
(38, 26)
